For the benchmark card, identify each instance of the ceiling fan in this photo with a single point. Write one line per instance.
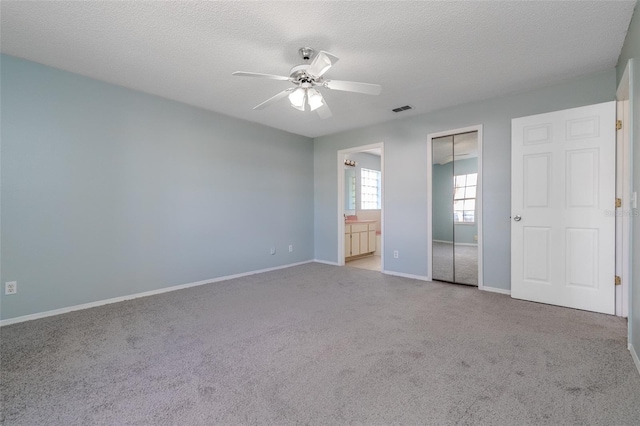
(307, 79)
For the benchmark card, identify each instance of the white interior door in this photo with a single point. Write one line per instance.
(563, 208)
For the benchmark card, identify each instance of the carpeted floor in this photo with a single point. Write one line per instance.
(318, 344)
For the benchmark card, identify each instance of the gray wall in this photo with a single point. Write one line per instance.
(109, 192)
(405, 203)
(442, 207)
(442, 202)
(631, 47)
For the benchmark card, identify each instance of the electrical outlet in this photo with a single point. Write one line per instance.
(396, 254)
(290, 248)
(272, 250)
(11, 287)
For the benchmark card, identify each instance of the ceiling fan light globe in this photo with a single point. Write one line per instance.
(297, 98)
(315, 99)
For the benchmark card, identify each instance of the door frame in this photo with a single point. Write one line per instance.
(430, 137)
(340, 213)
(624, 185)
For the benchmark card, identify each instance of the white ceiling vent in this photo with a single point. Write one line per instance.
(402, 108)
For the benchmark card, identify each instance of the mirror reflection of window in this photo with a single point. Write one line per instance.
(352, 192)
(464, 198)
(349, 191)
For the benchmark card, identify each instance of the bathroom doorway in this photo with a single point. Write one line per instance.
(360, 207)
(455, 236)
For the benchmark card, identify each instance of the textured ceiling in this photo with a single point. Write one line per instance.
(429, 55)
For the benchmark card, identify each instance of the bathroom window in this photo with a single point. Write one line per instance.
(464, 198)
(371, 189)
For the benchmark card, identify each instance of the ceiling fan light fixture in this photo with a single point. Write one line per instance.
(297, 98)
(307, 78)
(315, 99)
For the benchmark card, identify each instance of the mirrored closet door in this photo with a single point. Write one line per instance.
(454, 214)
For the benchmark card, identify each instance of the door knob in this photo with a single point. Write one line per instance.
(517, 218)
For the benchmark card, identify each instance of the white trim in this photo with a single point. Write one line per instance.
(624, 185)
(497, 290)
(479, 205)
(340, 164)
(68, 309)
(477, 128)
(430, 207)
(403, 275)
(634, 355)
(326, 262)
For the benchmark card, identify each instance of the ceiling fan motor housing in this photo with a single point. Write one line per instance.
(298, 74)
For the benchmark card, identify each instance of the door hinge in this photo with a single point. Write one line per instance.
(618, 202)
(618, 124)
(618, 280)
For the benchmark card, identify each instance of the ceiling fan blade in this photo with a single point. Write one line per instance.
(321, 63)
(324, 111)
(275, 98)
(352, 86)
(261, 75)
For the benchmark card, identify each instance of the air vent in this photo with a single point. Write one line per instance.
(402, 108)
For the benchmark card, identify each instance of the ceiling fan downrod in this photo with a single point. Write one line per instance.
(306, 53)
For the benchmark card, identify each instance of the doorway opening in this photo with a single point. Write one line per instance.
(360, 207)
(455, 199)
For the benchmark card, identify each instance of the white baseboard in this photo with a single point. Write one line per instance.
(402, 274)
(634, 355)
(65, 310)
(326, 262)
(496, 290)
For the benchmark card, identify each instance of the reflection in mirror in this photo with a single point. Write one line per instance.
(454, 189)
(349, 192)
(442, 213)
(465, 180)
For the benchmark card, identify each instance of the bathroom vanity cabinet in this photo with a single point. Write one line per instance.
(359, 238)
